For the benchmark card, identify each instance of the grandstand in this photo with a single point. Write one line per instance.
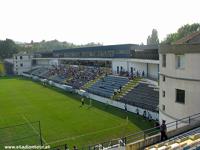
(108, 85)
(76, 76)
(144, 95)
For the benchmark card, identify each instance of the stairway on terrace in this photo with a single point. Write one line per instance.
(91, 82)
(127, 88)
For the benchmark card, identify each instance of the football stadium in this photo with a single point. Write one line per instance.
(104, 97)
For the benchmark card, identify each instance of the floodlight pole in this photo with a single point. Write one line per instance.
(41, 142)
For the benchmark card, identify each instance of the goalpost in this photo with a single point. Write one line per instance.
(21, 134)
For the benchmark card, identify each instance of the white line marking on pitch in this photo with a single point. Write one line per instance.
(82, 135)
(24, 117)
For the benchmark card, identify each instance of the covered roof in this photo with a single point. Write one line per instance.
(110, 47)
(22, 54)
(147, 47)
(9, 60)
(188, 38)
(107, 47)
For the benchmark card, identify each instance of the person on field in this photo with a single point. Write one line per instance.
(125, 108)
(144, 114)
(66, 147)
(75, 148)
(82, 101)
(163, 131)
(137, 111)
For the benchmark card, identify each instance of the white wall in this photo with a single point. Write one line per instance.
(191, 70)
(137, 66)
(26, 61)
(178, 79)
(140, 67)
(119, 63)
(42, 62)
(179, 110)
(153, 71)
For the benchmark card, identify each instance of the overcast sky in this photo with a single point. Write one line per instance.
(104, 21)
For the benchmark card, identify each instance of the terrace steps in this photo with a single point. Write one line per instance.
(127, 88)
(91, 82)
(107, 86)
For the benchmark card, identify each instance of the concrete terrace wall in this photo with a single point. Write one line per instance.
(120, 105)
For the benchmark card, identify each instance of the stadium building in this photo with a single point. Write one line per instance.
(22, 62)
(159, 82)
(120, 58)
(179, 78)
(118, 65)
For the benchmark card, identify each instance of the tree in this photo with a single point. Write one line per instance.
(7, 49)
(153, 38)
(181, 32)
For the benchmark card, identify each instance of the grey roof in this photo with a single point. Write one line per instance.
(108, 47)
(111, 47)
(10, 60)
(22, 54)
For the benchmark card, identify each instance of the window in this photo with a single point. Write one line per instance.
(20, 57)
(180, 96)
(180, 61)
(121, 68)
(163, 107)
(163, 93)
(21, 65)
(15, 57)
(164, 60)
(163, 78)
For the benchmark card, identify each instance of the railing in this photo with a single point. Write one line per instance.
(142, 135)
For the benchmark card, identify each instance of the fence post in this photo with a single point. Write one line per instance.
(144, 140)
(40, 132)
(125, 140)
(66, 146)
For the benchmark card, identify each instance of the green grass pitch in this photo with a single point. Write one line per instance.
(62, 118)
